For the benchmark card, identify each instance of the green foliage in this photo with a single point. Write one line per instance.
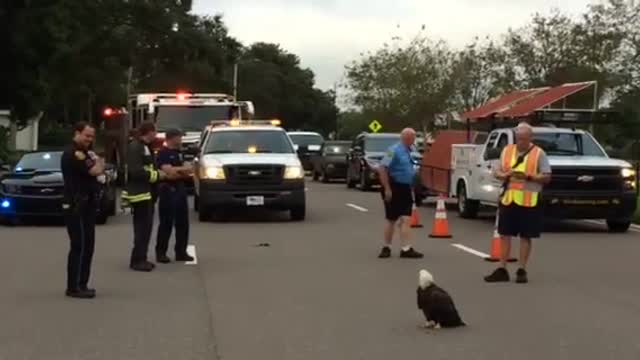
(409, 84)
(4, 143)
(71, 58)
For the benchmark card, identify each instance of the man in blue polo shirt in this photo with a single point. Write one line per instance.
(397, 174)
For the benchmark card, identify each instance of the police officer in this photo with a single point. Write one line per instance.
(80, 168)
(397, 174)
(172, 204)
(142, 175)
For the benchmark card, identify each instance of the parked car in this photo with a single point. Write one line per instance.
(307, 145)
(367, 150)
(34, 188)
(331, 163)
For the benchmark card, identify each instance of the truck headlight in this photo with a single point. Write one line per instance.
(628, 173)
(293, 172)
(212, 173)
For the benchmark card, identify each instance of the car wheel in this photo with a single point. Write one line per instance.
(195, 202)
(203, 213)
(298, 213)
(315, 175)
(467, 209)
(617, 226)
(325, 177)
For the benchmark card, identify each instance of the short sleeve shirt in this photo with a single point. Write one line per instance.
(171, 157)
(75, 164)
(400, 164)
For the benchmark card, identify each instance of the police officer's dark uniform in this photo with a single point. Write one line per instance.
(79, 206)
(140, 192)
(172, 205)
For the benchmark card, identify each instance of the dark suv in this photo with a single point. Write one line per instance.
(367, 150)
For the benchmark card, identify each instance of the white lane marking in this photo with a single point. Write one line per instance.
(191, 250)
(634, 227)
(470, 250)
(359, 208)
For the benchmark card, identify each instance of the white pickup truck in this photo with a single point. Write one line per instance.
(586, 183)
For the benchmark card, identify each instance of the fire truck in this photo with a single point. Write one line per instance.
(189, 112)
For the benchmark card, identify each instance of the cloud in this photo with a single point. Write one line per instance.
(328, 34)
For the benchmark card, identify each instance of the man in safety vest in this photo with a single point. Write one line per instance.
(525, 169)
(140, 193)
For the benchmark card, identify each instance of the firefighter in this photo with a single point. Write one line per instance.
(172, 205)
(142, 176)
(80, 170)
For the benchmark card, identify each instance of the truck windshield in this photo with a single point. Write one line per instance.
(568, 144)
(306, 139)
(49, 161)
(248, 141)
(189, 118)
(380, 144)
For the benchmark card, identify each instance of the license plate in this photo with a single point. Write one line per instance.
(255, 200)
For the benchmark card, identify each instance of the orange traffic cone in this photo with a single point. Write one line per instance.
(440, 223)
(496, 246)
(415, 218)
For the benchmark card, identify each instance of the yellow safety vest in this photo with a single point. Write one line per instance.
(515, 191)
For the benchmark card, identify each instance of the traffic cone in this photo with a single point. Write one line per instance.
(440, 222)
(415, 218)
(496, 245)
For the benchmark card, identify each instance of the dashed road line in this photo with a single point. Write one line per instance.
(359, 208)
(191, 250)
(470, 250)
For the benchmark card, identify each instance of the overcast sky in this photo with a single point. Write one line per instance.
(327, 34)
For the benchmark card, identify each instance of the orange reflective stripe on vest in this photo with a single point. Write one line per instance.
(516, 190)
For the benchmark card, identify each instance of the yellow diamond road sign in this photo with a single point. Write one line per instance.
(375, 126)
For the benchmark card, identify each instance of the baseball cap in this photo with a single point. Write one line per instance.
(172, 133)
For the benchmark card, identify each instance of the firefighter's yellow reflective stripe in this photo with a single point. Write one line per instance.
(153, 173)
(136, 198)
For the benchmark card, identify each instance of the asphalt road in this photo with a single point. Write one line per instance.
(319, 292)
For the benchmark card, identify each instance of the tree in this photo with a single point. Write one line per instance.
(404, 85)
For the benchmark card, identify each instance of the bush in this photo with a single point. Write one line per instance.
(54, 138)
(4, 143)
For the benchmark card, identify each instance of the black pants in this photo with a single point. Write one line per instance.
(174, 211)
(81, 223)
(142, 228)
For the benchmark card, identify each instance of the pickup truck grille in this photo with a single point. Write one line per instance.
(581, 179)
(254, 174)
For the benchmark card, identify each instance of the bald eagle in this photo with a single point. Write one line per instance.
(436, 304)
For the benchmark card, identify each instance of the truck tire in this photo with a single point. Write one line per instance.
(315, 175)
(324, 177)
(298, 213)
(203, 213)
(468, 209)
(618, 226)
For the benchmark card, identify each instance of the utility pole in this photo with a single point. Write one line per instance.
(235, 81)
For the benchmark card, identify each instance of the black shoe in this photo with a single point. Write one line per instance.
(144, 266)
(385, 253)
(88, 289)
(163, 259)
(80, 294)
(411, 254)
(498, 275)
(521, 276)
(184, 257)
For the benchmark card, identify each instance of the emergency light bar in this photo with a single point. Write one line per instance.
(236, 122)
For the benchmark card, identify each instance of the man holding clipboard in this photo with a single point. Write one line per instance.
(524, 169)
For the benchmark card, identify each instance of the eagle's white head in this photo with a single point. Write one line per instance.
(425, 279)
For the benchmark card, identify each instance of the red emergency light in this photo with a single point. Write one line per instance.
(182, 95)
